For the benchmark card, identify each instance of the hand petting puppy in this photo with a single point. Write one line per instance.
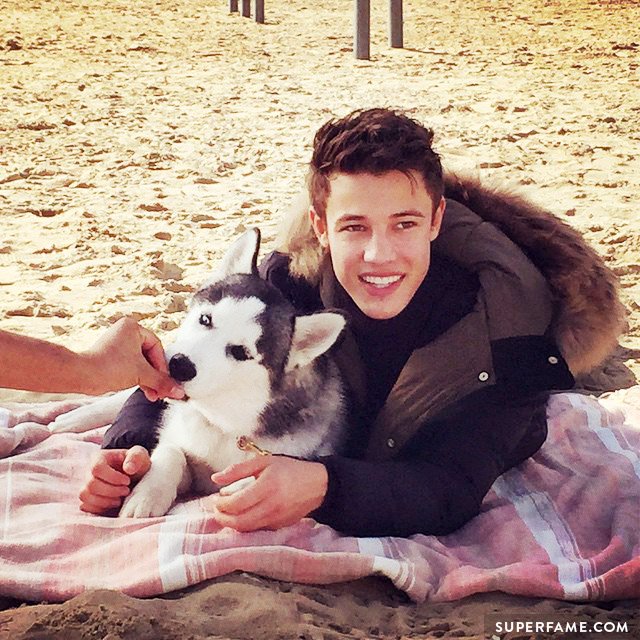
(124, 356)
(127, 355)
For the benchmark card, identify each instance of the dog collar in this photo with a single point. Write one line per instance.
(246, 444)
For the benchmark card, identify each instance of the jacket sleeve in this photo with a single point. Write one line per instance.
(135, 424)
(439, 480)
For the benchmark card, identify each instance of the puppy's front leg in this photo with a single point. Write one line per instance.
(156, 492)
(96, 413)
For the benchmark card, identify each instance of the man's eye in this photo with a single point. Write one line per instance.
(238, 352)
(407, 224)
(353, 228)
(205, 320)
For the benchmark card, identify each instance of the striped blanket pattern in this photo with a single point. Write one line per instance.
(565, 524)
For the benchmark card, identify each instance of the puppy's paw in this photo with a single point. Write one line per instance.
(96, 413)
(238, 485)
(77, 421)
(146, 504)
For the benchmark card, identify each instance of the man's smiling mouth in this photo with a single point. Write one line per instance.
(381, 281)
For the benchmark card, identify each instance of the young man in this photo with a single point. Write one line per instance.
(448, 357)
(126, 355)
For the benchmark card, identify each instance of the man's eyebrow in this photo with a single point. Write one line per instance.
(409, 212)
(355, 217)
(350, 217)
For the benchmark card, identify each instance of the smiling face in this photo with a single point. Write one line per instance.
(378, 230)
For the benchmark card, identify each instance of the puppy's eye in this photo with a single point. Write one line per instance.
(238, 352)
(205, 320)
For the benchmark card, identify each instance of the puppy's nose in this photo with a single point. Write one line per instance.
(181, 368)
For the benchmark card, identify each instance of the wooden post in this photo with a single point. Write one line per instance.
(362, 29)
(395, 24)
(258, 10)
(246, 8)
(233, 6)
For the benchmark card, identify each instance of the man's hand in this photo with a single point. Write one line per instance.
(127, 355)
(113, 473)
(285, 490)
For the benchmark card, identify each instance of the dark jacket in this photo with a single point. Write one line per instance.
(467, 403)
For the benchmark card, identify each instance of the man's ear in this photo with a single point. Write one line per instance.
(436, 219)
(319, 225)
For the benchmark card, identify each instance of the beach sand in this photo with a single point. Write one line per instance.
(137, 139)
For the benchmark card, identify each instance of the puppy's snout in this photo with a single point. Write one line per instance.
(181, 368)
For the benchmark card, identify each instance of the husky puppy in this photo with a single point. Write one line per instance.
(250, 366)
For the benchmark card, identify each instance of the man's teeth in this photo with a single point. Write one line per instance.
(381, 281)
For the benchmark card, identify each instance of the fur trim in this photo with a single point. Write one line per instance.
(297, 239)
(589, 316)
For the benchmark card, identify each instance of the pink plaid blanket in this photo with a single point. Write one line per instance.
(565, 524)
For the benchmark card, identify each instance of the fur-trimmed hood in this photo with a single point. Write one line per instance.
(588, 315)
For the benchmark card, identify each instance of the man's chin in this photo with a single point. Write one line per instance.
(378, 310)
(381, 304)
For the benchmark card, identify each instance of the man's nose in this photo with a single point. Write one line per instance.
(379, 249)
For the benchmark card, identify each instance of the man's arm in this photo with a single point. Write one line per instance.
(434, 487)
(440, 480)
(126, 355)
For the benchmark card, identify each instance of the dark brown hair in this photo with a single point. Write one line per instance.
(372, 141)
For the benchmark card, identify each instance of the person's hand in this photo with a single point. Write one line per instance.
(285, 490)
(127, 355)
(112, 476)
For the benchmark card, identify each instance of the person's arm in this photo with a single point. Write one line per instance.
(439, 482)
(126, 355)
(434, 487)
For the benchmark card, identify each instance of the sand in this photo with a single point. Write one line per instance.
(138, 138)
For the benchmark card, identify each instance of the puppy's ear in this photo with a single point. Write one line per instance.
(240, 258)
(312, 336)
